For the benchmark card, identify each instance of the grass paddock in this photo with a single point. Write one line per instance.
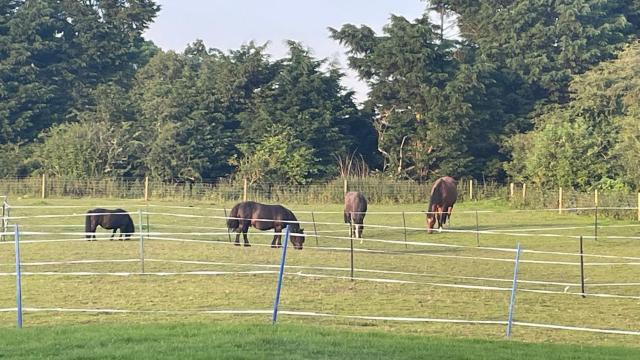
(191, 268)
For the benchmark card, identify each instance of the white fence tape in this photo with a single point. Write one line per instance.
(326, 315)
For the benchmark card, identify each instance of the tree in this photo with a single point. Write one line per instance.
(279, 157)
(88, 150)
(303, 97)
(545, 42)
(592, 137)
(55, 53)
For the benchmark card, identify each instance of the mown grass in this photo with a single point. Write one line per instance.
(260, 341)
(318, 277)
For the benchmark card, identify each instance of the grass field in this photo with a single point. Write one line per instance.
(260, 341)
(186, 280)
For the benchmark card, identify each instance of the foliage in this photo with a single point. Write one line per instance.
(54, 53)
(88, 149)
(593, 137)
(277, 158)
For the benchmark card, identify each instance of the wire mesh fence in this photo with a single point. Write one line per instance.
(377, 190)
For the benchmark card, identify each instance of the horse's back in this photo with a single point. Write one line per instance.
(355, 206)
(444, 192)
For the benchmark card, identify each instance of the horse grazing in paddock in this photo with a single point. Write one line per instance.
(355, 208)
(109, 219)
(264, 217)
(444, 194)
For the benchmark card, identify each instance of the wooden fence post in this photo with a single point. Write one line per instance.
(524, 193)
(595, 200)
(44, 186)
(471, 189)
(638, 206)
(244, 190)
(511, 190)
(560, 200)
(146, 188)
(345, 186)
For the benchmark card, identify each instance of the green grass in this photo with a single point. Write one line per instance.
(261, 341)
(317, 277)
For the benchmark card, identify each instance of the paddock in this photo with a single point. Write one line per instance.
(181, 265)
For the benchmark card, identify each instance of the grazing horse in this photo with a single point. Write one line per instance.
(355, 208)
(443, 195)
(264, 217)
(109, 219)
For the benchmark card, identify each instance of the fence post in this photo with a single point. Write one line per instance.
(404, 226)
(141, 229)
(3, 222)
(315, 230)
(595, 200)
(146, 188)
(471, 189)
(276, 303)
(582, 269)
(477, 230)
(44, 185)
(524, 193)
(511, 190)
(244, 190)
(351, 240)
(513, 292)
(18, 278)
(560, 200)
(345, 186)
(595, 225)
(638, 206)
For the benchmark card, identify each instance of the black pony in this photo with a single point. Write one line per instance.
(264, 217)
(109, 219)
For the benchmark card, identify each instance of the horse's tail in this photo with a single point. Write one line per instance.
(130, 227)
(231, 222)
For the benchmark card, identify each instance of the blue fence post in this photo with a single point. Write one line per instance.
(513, 292)
(18, 278)
(281, 273)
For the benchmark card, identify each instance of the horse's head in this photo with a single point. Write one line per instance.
(432, 217)
(298, 239)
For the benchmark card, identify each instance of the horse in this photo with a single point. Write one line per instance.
(109, 219)
(264, 217)
(443, 195)
(355, 208)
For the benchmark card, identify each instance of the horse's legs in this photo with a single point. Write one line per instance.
(245, 229)
(276, 242)
(113, 233)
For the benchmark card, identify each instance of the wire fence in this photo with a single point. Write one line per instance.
(376, 190)
(393, 246)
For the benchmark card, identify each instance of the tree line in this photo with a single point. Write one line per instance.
(535, 90)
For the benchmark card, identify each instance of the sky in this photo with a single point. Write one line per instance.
(227, 24)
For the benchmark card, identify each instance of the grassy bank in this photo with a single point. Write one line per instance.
(259, 341)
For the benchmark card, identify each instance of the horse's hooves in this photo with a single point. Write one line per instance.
(247, 244)
(236, 244)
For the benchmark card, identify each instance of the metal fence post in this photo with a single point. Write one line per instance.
(315, 230)
(141, 241)
(18, 278)
(513, 292)
(280, 274)
(582, 269)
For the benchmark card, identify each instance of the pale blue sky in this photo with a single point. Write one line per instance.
(227, 24)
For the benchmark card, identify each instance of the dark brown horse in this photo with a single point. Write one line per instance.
(443, 195)
(117, 219)
(355, 208)
(264, 217)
